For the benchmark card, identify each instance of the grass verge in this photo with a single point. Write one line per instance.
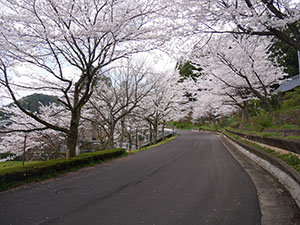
(12, 164)
(155, 145)
(14, 174)
(265, 134)
(290, 159)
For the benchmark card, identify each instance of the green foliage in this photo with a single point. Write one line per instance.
(186, 125)
(291, 99)
(285, 55)
(179, 124)
(255, 107)
(263, 121)
(211, 127)
(258, 132)
(225, 121)
(6, 154)
(32, 103)
(290, 126)
(15, 174)
(290, 159)
(188, 70)
(190, 97)
(275, 101)
(285, 113)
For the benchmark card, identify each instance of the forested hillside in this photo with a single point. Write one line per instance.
(33, 102)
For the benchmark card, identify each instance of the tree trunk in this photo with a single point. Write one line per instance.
(155, 131)
(136, 139)
(163, 131)
(263, 99)
(102, 138)
(245, 113)
(266, 104)
(24, 149)
(111, 139)
(150, 134)
(173, 129)
(122, 132)
(129, 142)
(73, 133)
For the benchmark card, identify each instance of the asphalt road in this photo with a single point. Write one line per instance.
(192, 180)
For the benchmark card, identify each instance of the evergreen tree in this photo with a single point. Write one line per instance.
(284, 55)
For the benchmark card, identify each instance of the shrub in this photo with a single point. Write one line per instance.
(291, 98)
(54, 167)
(263, 121)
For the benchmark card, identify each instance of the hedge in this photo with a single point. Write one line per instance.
(51, 167)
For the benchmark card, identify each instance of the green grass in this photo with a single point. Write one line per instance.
(289, 126)
(292, 160)
(211, 128)
(293, 137)
(186, 125)
(155, 145)
(12, 164)
(265, 134)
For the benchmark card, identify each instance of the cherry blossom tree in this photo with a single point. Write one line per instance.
(62, 46)
(117, 94)
(251, 17)
(238, 68)
(132, 130)
(23, 133)
(162, 103)
(234, 70)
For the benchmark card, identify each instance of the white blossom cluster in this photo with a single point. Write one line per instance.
(72, 49)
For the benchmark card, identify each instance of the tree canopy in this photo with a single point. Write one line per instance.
(74, 50)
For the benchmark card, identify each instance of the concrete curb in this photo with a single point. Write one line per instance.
(286, 175)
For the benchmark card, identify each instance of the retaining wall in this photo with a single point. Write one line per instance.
(290, 145)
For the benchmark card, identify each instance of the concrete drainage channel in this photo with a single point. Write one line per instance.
(276, 204)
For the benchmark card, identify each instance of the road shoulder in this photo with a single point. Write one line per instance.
(276, 205)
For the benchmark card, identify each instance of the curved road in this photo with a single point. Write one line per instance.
(192, 180)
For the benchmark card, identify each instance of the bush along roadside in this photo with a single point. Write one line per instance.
(12, 177)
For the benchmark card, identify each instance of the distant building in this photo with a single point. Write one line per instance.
(289, 85)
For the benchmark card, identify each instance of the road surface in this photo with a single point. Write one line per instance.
(192, 180)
